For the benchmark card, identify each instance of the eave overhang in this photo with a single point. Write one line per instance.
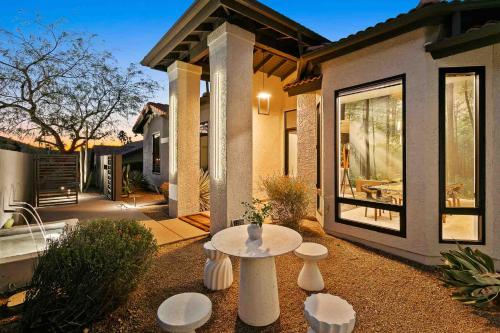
(432, 14)
(484, 36)
(275, 34)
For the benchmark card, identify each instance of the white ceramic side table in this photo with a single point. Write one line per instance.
(258, 300)
(310, 277)
(183, 313)
(218, 271)
(326, 313)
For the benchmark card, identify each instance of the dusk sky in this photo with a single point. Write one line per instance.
(129, 29)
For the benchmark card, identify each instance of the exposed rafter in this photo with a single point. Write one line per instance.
(276, 67)
(262, 63)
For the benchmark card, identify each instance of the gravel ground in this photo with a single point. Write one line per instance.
(387, 295)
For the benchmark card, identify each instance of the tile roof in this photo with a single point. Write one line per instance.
(150, 108)
(118, 150)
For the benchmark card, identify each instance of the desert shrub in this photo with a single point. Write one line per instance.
(137, 180)
(164, 190)
(86, 273)
(288, 198)
(473, 276)
(204, 190)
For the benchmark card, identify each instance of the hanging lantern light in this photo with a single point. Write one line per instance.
(264, 98)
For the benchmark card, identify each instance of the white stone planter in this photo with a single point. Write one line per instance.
(254, 231)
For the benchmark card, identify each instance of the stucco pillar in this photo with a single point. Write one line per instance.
(230, 133)
(307, 135)
(184, 138)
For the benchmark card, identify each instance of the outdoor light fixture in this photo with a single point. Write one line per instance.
(173, 135)
(218, 129)
(264, 97)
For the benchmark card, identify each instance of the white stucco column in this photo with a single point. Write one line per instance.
(230, 133)
(307, 135)
(184, 138)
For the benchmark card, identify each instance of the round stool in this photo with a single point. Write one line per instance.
(310, 277)
(184, 312)
(326, 313)
(218, 272)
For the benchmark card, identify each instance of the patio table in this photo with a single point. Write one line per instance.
(258, 300)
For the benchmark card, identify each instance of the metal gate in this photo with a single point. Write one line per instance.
(56, 180)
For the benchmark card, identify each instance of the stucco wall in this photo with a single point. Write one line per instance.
(268, 130)
(405, 55)
(157, 124)
(16, 169)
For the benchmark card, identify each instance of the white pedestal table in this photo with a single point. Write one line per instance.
(258, 301)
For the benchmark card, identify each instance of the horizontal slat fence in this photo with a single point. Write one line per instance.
(56, 180)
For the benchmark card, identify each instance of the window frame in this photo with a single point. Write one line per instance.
(339, 200)
(480, 161)
(287, 131)
(153, 137)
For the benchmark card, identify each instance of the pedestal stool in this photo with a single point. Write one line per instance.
(218, 272)
(183, 313)
(326, 313)
(310, 277)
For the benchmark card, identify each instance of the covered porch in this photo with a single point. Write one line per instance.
(249, 55)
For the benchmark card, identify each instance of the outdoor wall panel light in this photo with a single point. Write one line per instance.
(218, 130)
(173, 135)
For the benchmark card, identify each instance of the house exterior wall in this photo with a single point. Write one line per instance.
(155, 125)
(269, 131)
(18, 171)
(405, 55)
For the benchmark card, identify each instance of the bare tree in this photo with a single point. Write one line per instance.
(55, 87)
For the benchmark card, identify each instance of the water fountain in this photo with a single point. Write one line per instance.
(21, 245)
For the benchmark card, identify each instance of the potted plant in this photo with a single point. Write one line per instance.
(255, 213)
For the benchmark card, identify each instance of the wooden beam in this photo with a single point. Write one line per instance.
(263, 62)
(204, 27)
(288, 73)
(181, 48)
(192, 38)
(276, 67)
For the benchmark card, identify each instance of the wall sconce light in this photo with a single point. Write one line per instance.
(264, 103)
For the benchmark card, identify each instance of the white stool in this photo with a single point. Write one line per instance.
(310, 277)
(218, 272)
(326, 313)
(183, 313)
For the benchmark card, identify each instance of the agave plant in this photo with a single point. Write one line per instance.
(204, 190)
(472, 274)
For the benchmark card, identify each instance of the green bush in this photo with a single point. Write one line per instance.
(289, 201)
(204, 184)
(87, 273)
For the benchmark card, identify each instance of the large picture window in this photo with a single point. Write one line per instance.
(461, 101)
(370, 153)
(156, 153)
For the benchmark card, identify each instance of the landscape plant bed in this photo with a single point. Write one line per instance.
(387, 295)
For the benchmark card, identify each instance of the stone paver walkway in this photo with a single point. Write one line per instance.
(93, 206)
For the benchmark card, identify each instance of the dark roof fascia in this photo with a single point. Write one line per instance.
(416, 18)
(485, 36)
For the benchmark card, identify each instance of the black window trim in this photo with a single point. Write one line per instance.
(153, 136)
(338, 200)
(480, 72)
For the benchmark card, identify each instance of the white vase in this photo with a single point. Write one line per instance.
(254, 231)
